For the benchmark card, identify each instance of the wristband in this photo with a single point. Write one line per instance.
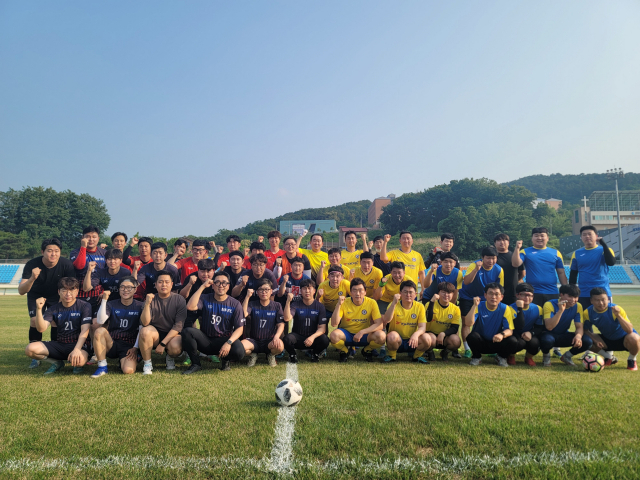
(381, 283)
(229, 342)
(163, 344)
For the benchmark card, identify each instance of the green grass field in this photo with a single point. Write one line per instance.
(357, 420)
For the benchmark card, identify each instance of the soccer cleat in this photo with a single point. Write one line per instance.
(511, 359)
(293, 358)
(271, 360)
(431, 356)
(192, 369)
(491, 354)
(253, 358)
(93, 360)
(78, 370)
(608, 362)
(567, 360)
(280, 355)
(420, 360)
(214, 359)
(352, 351)
(187, 362)
(368, 356)
(501, 361)
(546, 359)
(54, 367)
(344, 356)
(388, 359)
(147, 369)
(100, 371)
(614, 360)
(467, 354)
(557, 352)
(456, 354)
(444, 355)
(475, 362)
(631, 365)
(529, 361)
(315, 358)
(383, 352)
(34, 363)
(225, 365)
(375, 353)
(171, 363)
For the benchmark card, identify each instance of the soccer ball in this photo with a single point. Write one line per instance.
(593, 362)
(288, 393)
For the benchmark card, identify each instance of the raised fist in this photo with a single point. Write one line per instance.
(320, 292)
(40, 302)
(149, 298)
(478, 264)
(290, 296)
(341, 300)
(247, 251)
(385, 279)
(285, 278)
(476, 301)
(134, 241)
(279, 261)
(250, 292)
(261, 239)
(396, 297)
(245, 279)
(519, 304)
(136, 264)
(103, 245)
(84, 242)
(435, 297)
(370, 244)
(207, 283)
(220, 248)
(363, 236)
(223, 265)
(92, 266)
(352, 272)
(193, 279)
(105, 294)
(35, 272)
(323, 264)
(212, 245)
(616, 309)
(434, 267)
(518, 245)
(562, 304)
(387, 237)
(599, 240)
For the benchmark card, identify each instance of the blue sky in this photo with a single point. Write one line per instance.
(188, 117)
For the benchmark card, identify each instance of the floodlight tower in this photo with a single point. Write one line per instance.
(615, 174)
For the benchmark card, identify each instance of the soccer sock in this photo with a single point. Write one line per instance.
(147, 362)
(341, 346)
(102, 363)
(392, 353)
(49, 360)
(546, 356)
(466, 346)
(372, 346)
(632, 357)
(54, 334)
(418, 353)
(34, 335)
(610, 353)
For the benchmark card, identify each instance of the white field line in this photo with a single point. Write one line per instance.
(282, 450)
(445, 465)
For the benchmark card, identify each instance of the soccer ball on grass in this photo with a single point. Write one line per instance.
(592, 362)
(288, 393)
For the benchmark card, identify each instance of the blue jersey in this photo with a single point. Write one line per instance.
(69, 319)
(573, 314)
(592, 270)
(97, 256)
(220, 319)
(292, 286)
(455, 277)
(124, 320)
(264, 320)
(108, 282)
(491, 322)
(541, 265)
(532, 317)
(150, 274)
(307, 318)
(483, 278)
(607, 322)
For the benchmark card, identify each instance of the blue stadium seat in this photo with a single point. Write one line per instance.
(617, 274)
(7, 272)
(636, 270)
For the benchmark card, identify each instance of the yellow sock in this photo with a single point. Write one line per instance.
(372, 346)
(418, 353)
(392, 353)
(341, 346)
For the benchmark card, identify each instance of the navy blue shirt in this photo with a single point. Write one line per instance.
(307, 318)
(124, 320)
(69, 319)
(220, 319)
(264, 320)
(102, 277)
(150, 274)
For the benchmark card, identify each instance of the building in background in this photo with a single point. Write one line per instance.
(552, 202)
(600, 210)
(296, 227)
(343, 230)
(375, 209)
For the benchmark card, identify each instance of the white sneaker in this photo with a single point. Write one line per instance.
(171, 363)
(546, 359)
(501, 361)
(147, 369)
(567, 360)
(475, 362)
(253, 358)
(271, 359)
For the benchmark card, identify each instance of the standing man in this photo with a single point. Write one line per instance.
(89, 251)
(385, 268)
(108, 278)
(332, 289)
(370, 275)
(446, 272)
(206, 269)
(188, 266)
(446, 244)
(40, 279)
(335, 258)
(249, 281)
(316, 256)
(389, 286)
(180, 247)
(351, 256)
(235, 270)
(150, 272)
(590, 264)
(412, 260)
(291, 252)
(273, 237)
(233, 244)
(512, 275)
(291, 283)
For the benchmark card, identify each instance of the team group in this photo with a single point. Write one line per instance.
(104, 302)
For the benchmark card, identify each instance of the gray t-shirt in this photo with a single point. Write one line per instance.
(168, 313)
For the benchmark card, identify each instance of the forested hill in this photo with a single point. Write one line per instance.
(571, 188)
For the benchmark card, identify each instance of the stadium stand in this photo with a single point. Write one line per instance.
(617, 274)
(636, 270)
(7, 272)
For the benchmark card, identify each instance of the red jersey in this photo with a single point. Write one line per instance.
(271, 257)
(139, 295)
(187, 268)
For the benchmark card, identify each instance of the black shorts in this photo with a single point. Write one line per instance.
(541, 298)
(260, 346)
(31, 305)
(465, 306)
(615, 345)
(119, 349)
(161, 335)
(61, 351)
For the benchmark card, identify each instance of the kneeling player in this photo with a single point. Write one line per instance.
(73, 316)
(492, 324)
(558, 316)
(309, 328)
(221, 325)
(443, 321)
(265, 321)
(118, 340)
(616, 332)
(357, 318)
(528, 336)
(407, 325)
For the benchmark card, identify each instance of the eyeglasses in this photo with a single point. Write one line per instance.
(264, 290)
(289, 244)
(335, 274)
(126, 289)
(198, 249)
(66, 292)
(220, 284)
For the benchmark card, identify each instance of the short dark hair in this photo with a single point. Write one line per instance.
(221, 274)
(263, 281)
(181, 241)
(378, 237)
(50, 241)
(405, 232)
(274, 234)
(447, 256)
(289, 237)
(90, 229)
(70, 283)
(350, 232)
(317, 235)
(365, 255)
(158, 245)
(494, 285)
(524, 287)
(206, 264)
(236, 253)
(408, 283)
(333, 250)
(357, 281)
(234, 238)
(164, 272)
(335, 268)
(258, 258)
(145, 240)
(117, 234)
(489, 252)
(589, 227)
(113, 253)
(257, 246)
(446, 287)
(598, 291)
(539, 230)
(447, 236)
(296, 260)
(130, 278)
(399, 265)
(571, 290)
(307, 282)
(501, 236)
(201, 243)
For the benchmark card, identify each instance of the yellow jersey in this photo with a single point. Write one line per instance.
(413, 263)
(315, 259)
(406, 321)
(389, 290)
(358, 317)
(350, 259)
(325, 273)
(330, 296)
(371, 279)
(443, 317)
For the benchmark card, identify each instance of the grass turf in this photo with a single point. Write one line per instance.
(353, 417)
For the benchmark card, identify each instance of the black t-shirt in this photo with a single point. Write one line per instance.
(196, 286)
(307, 318)
(234, 277)
(510, 276)
(434, 257)
(385, 268)
(46, 285)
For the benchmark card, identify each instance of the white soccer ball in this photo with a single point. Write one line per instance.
(288, 393)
